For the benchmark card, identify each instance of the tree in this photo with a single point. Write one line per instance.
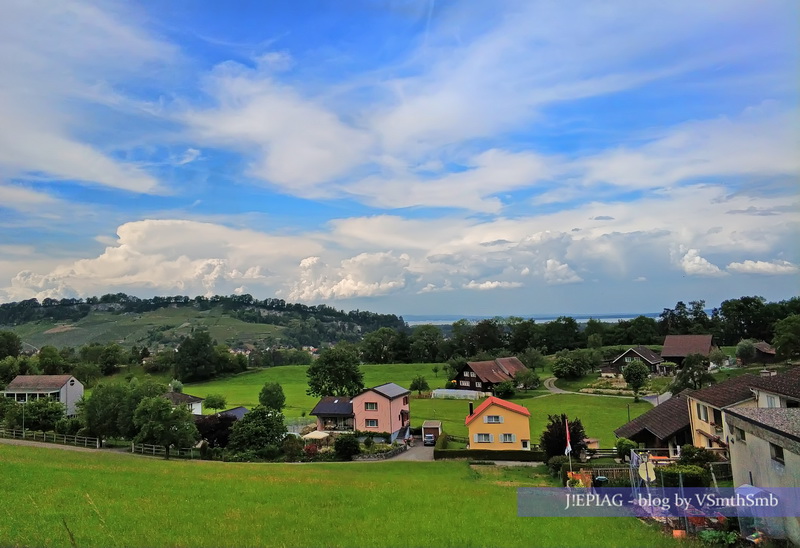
(335, 373)
(504, 389)
(718, 357)
(787, 337)
(594, 340)
(346, 447)
(40, 414)
(257, 430)
(624, 446)
(161, 424)
(527, 379)
(694, 374)
(110, 358)
(272, 396)
(215, 429)
(419, 384)
(376, 347)
(10, 344)
(746, 351)
(635, 375)
(195, 359)
(101, 411)
(533, 359)
(572, 365)
(136, 392)
(292, 447)
(50, 361)
(435, 370)
(554, 437)
(426, 341)
(215, 402)
(9, 368)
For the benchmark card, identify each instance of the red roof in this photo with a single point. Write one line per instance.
(497, 401)
(496, 371)
(680, 346)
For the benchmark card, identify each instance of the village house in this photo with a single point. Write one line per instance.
(664, 426)
(193, 403)
(707, 407)
(765, 353)
(777, 390)
(383, 408)
(61, 388)
(499, 425)
(483, 376)
(677, 347)
(639, 353)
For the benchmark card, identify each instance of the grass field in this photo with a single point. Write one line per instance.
(120, 500)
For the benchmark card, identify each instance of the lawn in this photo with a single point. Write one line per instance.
(104, 499)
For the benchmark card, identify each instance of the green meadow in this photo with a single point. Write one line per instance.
(63, 498)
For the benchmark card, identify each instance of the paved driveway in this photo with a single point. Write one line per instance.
(419, 452)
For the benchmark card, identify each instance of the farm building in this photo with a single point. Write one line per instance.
(483, 376)
(62, 388)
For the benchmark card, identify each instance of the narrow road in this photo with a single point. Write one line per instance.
(550, 384)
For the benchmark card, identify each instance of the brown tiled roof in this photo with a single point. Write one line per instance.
(680, 346)
(645, 353)
(764, 348)
(499, 370)
(178, 398)
(32, 383)
(786, 384)
(663, 420)
(728, 392)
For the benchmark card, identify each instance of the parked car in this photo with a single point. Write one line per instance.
(428, 439)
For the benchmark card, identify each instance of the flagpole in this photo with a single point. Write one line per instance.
(568, 449)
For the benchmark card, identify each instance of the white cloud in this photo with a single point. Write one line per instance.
(764, 267)
(189, 156)
(695, 265)
(491, 284)
(640, 279)
(365, 275)
(560, 273)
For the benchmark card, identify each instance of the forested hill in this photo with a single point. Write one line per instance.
(292, 324)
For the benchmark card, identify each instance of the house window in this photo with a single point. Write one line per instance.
(772, 402)
(628, 359)
(508, 438)
(702, 412)
(463, 383)
(372, 423)
(717, 418)
(478, 384)
(776, 452)
(405, 400)
(370, 406)
(483, 438)
(494, 419)
(792, 403)
(740, 435)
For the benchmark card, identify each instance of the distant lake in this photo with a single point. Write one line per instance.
(419, 319)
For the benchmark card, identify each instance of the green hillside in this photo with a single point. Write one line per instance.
(164, 326)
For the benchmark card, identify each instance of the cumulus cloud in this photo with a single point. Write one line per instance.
(490, 284)
(365, 275)
(560, 273)
(695, 265)
(764, 267)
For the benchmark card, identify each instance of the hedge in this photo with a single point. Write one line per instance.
(441, 442)
(486, 454)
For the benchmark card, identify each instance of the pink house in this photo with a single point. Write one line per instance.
(382, 408)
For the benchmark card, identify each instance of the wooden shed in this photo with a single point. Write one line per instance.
(432, 427)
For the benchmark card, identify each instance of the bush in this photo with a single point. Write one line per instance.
(697, 456)
(69, 427)
(693, 476)
(292, 447)
(624, 446)
(441, 441)
(711, 537)
(368, 442)
(269, 452)
(346, 447)
(505, 390)
(311, 450)
(486, 454)
(555, 464)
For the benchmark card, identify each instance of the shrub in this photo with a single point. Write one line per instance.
(693, 476)
(505, 389)
(575, 483)
(697, 456)
(311, 451)
(555, 464)
(368, 442)
(292, 447)
(441, 441)
(624, 446)
(69, 427)
(712, 537)
(346, 447)
(269, 452)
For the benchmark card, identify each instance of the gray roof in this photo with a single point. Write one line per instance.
(786, 384)
(178, 398)
(36, 383)
(781, 420)
(236, 412)
(334, 406)
(645, 353)
(663, 421)
(391, 390)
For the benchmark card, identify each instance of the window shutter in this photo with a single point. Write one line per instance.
(501, 419)
(513, 437)
(486, 418)
(475, 438)
(491, 437)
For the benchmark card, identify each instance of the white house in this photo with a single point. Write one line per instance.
(192, 403)
(62, 388)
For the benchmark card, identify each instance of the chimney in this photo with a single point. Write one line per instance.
(470, 408)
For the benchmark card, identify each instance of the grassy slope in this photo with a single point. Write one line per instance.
(119, 500)
(132, 329)
(600, 416)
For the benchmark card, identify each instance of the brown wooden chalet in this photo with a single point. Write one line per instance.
(667, 425)
(764, 353)
(637, 353)
(483, 376)
(677, 347)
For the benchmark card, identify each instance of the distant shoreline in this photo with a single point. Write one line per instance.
(446, 319)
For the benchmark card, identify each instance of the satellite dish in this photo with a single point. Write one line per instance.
(647, 471)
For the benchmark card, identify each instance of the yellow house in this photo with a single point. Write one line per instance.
(707, 410)
(499, 425)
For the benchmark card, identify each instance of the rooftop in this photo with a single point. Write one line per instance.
(781, 420)
(785, 384)
(36, 383)
(680, 346)
(178, 398)
(663, 420)
(334, 406)
(728, 392)
(501, 403)
(391, 390)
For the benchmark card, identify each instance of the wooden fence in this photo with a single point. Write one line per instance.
(159, 450)
(51, 437)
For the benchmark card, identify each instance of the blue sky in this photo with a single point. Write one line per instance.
(423, 157)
